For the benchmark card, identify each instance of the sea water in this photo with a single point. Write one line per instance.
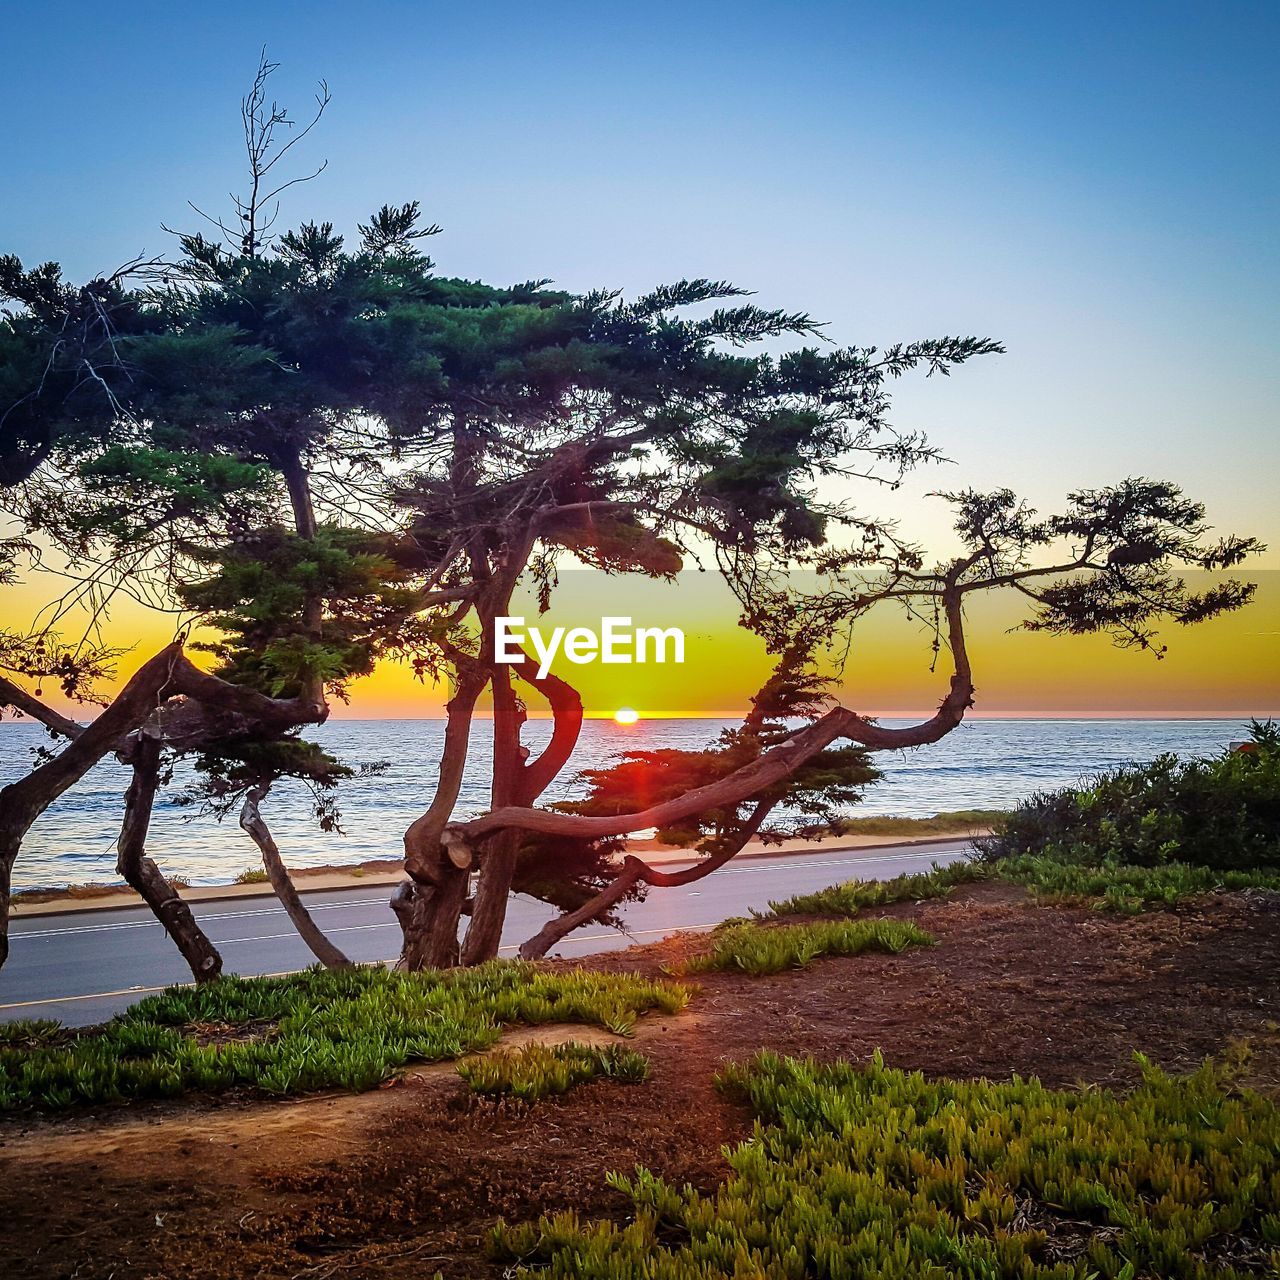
(985, 764)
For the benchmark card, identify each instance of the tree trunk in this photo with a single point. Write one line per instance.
(304, 519)
(429, 903)
(10, 843)
(429, 916)
(517, 781)
(252, 822)
(142, 874)
(498, 862)
(489, 912)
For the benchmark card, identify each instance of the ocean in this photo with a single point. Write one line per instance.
(985, 764)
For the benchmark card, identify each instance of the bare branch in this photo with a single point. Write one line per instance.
(15, 696)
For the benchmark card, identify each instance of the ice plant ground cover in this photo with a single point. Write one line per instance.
(867, 1171)
(759, 949)
(849, 898)
(349, 1029)
(1124, 888)
(1049, 879)
(537, 1070)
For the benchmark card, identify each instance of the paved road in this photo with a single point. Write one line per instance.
(81, 967)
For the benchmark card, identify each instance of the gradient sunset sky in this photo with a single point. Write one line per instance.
(1094, 185)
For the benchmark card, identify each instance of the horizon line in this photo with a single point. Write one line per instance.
(608, 717)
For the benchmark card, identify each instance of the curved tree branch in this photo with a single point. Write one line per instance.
(566, 712)
(772, 767)
(553, 931)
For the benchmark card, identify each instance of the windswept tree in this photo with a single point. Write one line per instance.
(333, 456)
(1110, 563)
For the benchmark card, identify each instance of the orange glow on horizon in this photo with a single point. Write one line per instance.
(1228, 668)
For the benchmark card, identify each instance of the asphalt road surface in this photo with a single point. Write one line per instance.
(81, 967)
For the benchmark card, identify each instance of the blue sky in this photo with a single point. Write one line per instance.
(1096, 185)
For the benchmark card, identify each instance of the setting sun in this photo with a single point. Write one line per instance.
(626, 715)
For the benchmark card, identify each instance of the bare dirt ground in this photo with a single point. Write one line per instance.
(407, 1180)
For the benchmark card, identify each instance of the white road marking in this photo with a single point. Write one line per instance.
(212, 917)
(126, 991)
(283, 973)
(852, 860)
(275, 937)
(206, 919)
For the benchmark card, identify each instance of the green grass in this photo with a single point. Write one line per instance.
(538, 1069)
(954, 820)
(871, 1172)
(761, 949)
(857, 895)
(251, 875)
(349, 1029)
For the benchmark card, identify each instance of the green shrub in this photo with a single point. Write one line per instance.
(325, 1028)
(856, 895)
(538, 1069)
(759, 949)
(251, 875)
(1222, 812)
(869, 1172)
